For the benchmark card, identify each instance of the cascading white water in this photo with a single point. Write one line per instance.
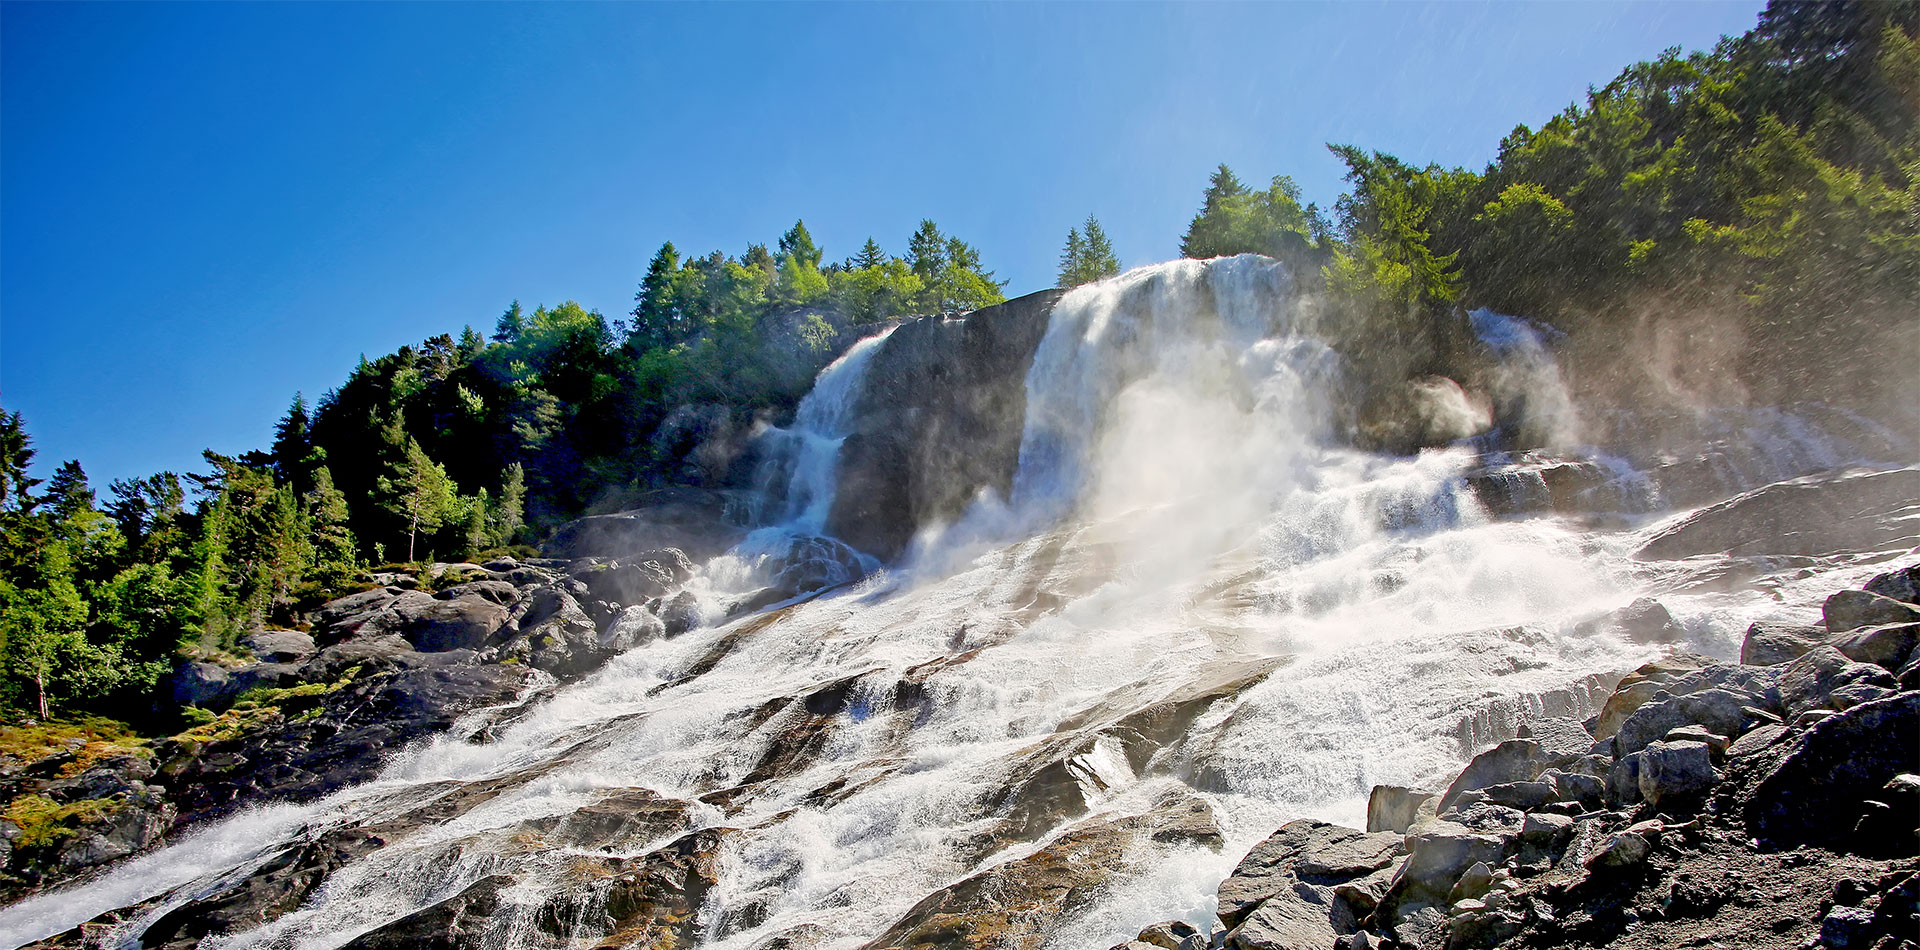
(808, 452)
(1182, 509)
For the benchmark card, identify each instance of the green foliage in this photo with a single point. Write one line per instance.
(416, 490)
(1087, 257)
(1234, 220)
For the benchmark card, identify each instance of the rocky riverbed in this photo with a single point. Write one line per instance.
(1768, 803)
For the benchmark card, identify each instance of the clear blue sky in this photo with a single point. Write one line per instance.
(204, 208)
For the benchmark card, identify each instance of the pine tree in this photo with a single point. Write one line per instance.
(505, 330)
(68, 493)
(870, 256)
(478, 532)
(1073, 260)
(927, 252)
(16, 454)
(333, 544)
(659, 317)
(798, 244)
(1100, 261)
(293, 444)
(417, 491)
(510, 515)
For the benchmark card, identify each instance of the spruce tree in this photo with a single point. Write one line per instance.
(293, 444)
(659, 310)
(68, 493)
(1073, 260)
(16, 454)
(870, 256)
(798, 244)
(505, 330)
(1100, 261)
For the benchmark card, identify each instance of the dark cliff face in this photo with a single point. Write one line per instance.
(939, 420)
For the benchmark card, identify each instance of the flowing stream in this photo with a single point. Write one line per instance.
(1185, 511)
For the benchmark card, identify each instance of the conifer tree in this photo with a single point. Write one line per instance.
(16, 454)
(333, 543)
(659, 310)
(870, 256)
(1073, 260)
(798, 243)
(293, 445)
(927, 252)
(505, 330)
(68, 493)
(417, 490)
(1100, 261)
(510, 515)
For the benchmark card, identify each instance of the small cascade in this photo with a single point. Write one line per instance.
(797, 476)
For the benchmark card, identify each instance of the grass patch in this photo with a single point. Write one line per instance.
(43, 821)
(90, 739)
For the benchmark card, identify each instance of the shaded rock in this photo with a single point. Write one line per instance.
(452, 923)
(196, 683)
(464, 623)
(681, 613)
(1676, 776)
(1902, 585)
(1715, 742)
(1624, 850)
(1395, 808)
(279, 646)
(1515, 760)
(1809, 682)
(1438, 852)
(1273, 866)
(691, 520)
(1546, 829)
(1647, 621)
(1853, 609)
(1816, 780)
(938, 421)
(1720, 711)
(1854, 510)
(500, 592)
(1525, 796)
(626, 581)
(1770, 643)
(1888, 820)
(1638, 688)
(1889, 647)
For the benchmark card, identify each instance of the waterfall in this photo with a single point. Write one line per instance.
(1185, 521)
(808, 453)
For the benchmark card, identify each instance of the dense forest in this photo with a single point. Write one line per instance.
(1765, 194)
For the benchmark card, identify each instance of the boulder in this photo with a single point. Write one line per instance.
(1299, 916)
(1525, 796)
(1395, 808)
(1889, 647)
(197, 683)
(1273, 866)
(464, 623)
(1638, 688)
(1770, 643)
(500, 592)
(1886, 828)
(1676, 776)
(1440, 851)
(1720, 711)
(1515, 760)
(1853, 609)
(1756, 739)
(681, 613)
(1647, 621)
(1811, 793)
(1167, 935)
(1902, 585)
(1808, 683)
(279, 646)
(625, 582)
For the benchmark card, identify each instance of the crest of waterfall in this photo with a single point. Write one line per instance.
(1185, 521)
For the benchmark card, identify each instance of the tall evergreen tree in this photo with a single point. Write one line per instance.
(927, 252)
(16, 455)
(505, 330)
(870, 256)
(416, 490)
(1101, 262)
(293, 444)
(798, 244)
(659, 310)
(68, 493)
(1073, 260)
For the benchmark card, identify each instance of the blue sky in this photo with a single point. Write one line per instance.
(205, 208)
